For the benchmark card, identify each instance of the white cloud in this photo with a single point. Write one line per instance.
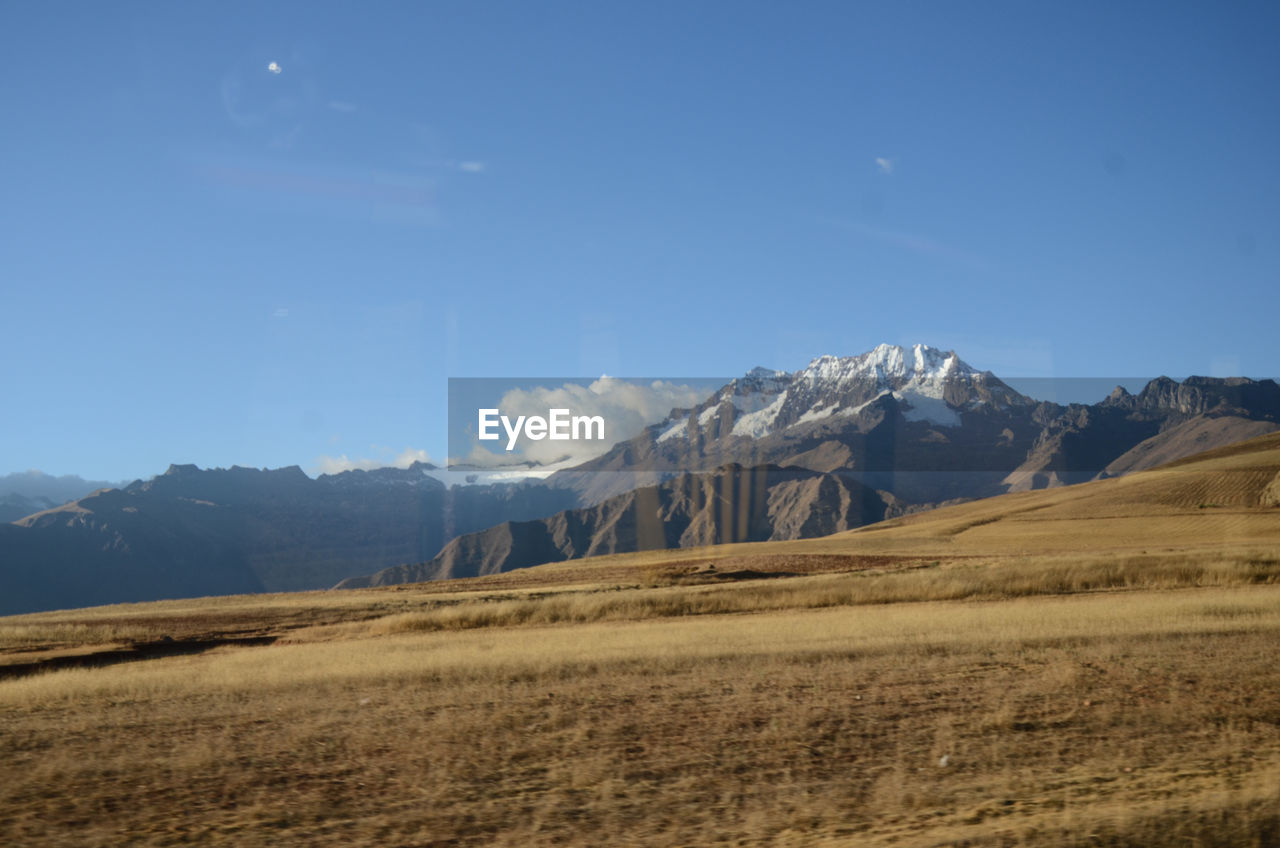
(627, 408)
(496, 467)
(884, 164)
(472, 167)
(342, 106)
(274, 68)
(281, 312)
(338, 464)
(409, 456)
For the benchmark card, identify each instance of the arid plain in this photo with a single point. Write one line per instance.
(1088, 665)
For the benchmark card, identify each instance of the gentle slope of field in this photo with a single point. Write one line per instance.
(1083, 666)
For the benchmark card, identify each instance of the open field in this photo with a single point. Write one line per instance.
(1144, 718)
(1083, 666)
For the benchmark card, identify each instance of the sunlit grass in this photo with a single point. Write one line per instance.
(1141, 715)
(1052, 669)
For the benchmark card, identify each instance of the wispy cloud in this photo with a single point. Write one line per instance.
(274, 68)
(626, 407)
(342, 106)
(884, 164)
(338, 464)
(472, 167)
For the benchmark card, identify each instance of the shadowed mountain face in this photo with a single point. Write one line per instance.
(15, 506)
(193, 532)
(23, 493)
(731, 504)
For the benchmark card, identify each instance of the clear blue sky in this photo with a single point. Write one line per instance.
(207, 261)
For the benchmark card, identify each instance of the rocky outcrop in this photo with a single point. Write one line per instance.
(731, 504)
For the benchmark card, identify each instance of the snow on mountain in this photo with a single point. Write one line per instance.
(757, 423)
(923, 407)
(931, 385)
(680, 428)
(921, 370)
(817, 414)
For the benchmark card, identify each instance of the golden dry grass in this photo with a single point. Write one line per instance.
(1081, 667)
(1139, 715)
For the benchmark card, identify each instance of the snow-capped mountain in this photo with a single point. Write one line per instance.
(921, 423)
(930, 385)
(844, 440)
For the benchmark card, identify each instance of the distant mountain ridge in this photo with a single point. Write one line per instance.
(14, 506)
(192, 532)
(898, 429)
(25, 492)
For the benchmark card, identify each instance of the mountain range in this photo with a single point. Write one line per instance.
(842, 442)
(25, 492)
(923, 425)
(192, 532)
(730, 504)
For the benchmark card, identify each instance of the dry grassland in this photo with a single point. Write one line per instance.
(972, 676)
(1125, 718)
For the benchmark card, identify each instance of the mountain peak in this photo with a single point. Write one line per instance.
(890, 366)
(1118, 395)
(933, 385)
(920, 358)
(760, 372)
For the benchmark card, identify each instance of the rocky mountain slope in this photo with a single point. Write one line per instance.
(1219, 499)
(730, 504)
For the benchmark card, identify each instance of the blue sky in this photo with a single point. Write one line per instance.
(207, 261)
